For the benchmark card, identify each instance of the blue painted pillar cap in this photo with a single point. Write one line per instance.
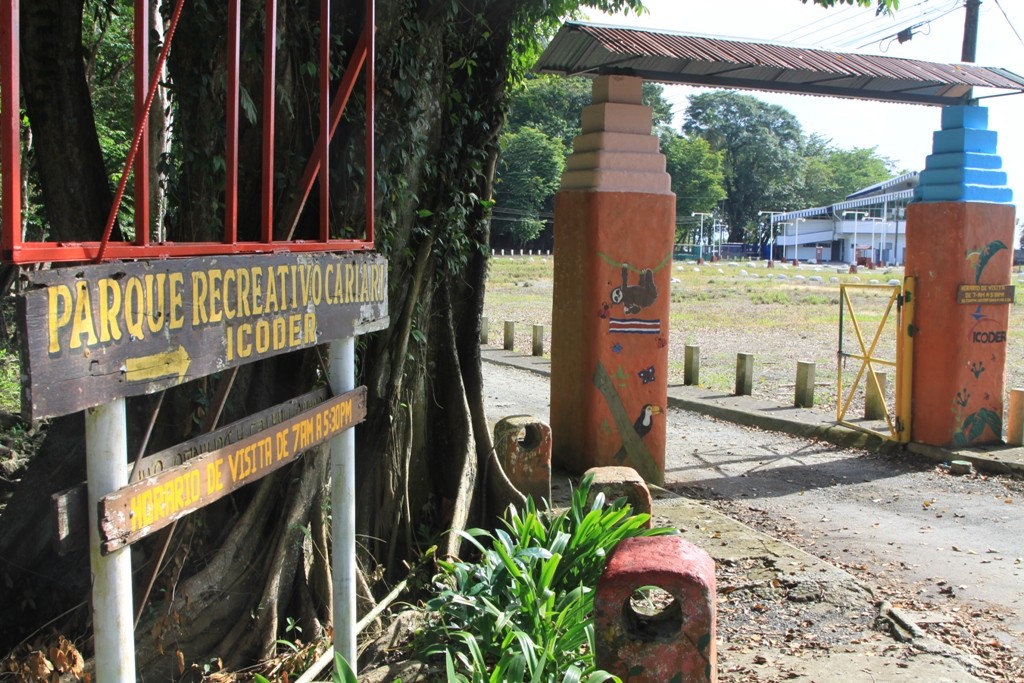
(964, 166)
(965, 116)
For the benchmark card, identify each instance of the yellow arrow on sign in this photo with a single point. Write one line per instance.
(158, 365)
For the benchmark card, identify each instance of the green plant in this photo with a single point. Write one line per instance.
(10, 381)
(342, 672)
(523, 610)
(770, 296)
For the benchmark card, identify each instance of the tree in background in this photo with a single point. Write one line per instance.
(761, 146)
(832, 173)
(551, 104)
(529, 171)
(697, 179)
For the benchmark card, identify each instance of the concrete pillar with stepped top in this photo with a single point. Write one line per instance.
(614, 229)
(960, 251)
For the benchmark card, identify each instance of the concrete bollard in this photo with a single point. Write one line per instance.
(804, 384)
(874, 402)
(620, 482)
(523, 446)
(691, 365)
(485, 328)
(1015, 418)
(538, 340)
(510, 335)
(744, 374)
(675, 644)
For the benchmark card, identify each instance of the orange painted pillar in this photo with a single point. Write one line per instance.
(614, 229)
(960, 250)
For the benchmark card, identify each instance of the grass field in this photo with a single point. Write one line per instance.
(729, 308)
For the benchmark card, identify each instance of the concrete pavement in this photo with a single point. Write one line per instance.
(785, 614)
(801, 422)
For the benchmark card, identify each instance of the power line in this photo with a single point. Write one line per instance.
(830, 15)
(906, 14)
(904, 21)
(896, 35)
(1009, 23)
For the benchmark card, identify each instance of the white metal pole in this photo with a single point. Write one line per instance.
(881, 244)
(874, 259)
(796, 243)
(342, 371)
(856, 222)
(106, 465)
(700, 240)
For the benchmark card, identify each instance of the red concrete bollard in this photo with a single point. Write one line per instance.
(621, 482)
(676, 644)
(523, 445)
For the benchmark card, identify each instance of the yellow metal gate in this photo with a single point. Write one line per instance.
(868, 360)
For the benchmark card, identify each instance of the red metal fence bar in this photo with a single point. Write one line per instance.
(140, 140)
(142, 162)
(325, 110)
(269, 109)
(16, 250)
(370, 31)
(234, 50)
(10, 135)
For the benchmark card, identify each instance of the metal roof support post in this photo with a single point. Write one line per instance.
(106, 453)
(341, 366)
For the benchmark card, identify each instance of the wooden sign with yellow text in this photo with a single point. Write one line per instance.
(96, 333)
(139, 509)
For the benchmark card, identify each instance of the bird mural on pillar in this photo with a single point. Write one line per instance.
(979, 258)
(642, 426)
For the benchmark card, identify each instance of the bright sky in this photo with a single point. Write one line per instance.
(901, 132)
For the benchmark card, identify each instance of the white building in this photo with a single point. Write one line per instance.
(869, 224)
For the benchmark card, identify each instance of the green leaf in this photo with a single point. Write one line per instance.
(342, 671)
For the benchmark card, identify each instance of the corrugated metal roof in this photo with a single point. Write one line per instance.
(582, 48)
(874, 200)
(908, 179)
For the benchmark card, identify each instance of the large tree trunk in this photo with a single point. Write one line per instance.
(68, 159)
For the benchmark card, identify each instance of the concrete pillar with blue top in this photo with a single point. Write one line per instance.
(960, 251)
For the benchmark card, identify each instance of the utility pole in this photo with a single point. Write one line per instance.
(970, 46)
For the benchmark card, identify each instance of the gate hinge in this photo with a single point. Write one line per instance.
(904, 298)
(911, 330)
